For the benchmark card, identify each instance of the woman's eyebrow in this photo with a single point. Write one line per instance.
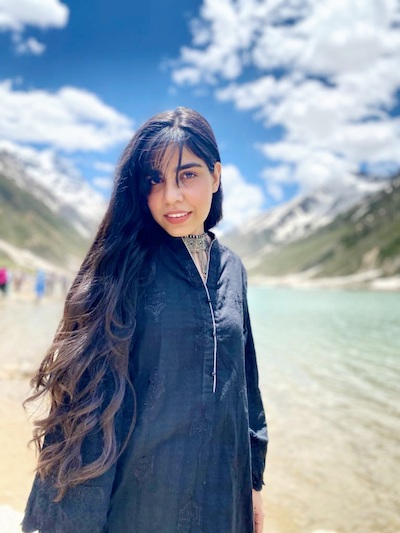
(188, 165)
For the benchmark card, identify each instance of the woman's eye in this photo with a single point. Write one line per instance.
(154, 180)
(188, 175)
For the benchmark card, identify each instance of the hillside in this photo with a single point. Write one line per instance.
(363, 239)
(302, 215)
(26, 223)
(54, 182)
(48, 212)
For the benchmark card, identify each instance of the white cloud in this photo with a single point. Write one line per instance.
(242, 200)
(29, 46)
(372, 142)
(328, 37)
(322, 168)
(70, 119)
(103, 183)
(280, 174)
(293, 152)
(15, 15)
(103, 166)
(256, 93)
(338, 65)
(311, 167)
(276, 177)
(226, 30)
(274, 190)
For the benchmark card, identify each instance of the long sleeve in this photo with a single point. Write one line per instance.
(84, 507)
(257, 422)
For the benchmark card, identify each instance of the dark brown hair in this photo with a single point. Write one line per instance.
(85, 373)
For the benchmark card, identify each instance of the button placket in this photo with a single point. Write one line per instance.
(209, 301)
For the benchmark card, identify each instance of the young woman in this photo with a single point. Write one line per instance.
(156, 422)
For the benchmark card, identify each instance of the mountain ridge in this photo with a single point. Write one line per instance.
(55, 182)
(357, 247)
(301, 215)
(48, 213)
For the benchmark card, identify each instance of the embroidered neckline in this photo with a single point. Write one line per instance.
(197, 243)
(198, 247)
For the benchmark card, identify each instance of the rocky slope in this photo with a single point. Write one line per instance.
(48, 213)
(51, 180)
(301, 216)
(363, 240)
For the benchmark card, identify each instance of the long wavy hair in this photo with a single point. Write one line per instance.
(92, 345)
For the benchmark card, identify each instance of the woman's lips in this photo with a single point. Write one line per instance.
(178, 217)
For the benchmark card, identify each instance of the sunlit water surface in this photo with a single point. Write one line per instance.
(330, 374)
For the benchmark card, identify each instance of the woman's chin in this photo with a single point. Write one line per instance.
(182, 231)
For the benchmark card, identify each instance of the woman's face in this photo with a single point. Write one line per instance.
(181, 206)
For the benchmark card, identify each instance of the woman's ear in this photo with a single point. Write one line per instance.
(216, 176)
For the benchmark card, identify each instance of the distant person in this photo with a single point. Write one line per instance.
(40, 285)
(18, 280)
(4, 278)
(156, 422)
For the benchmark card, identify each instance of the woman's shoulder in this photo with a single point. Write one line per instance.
(228, 255)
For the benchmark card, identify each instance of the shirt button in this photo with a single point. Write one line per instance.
(213, 333)
(212, 374)
(208, 300)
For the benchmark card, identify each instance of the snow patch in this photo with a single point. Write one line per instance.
(306, 213)
(55, 182)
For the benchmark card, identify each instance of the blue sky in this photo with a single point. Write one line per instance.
(300, 94)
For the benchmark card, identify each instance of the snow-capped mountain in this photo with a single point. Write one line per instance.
(55, 182)
(301, 216)
(325, 243)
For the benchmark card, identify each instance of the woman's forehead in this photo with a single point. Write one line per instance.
(173, 156)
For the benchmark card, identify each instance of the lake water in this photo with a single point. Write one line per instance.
(329, 373)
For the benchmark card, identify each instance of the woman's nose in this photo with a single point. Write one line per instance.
(172, 191)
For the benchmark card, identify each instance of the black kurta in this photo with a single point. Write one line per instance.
(199, 443)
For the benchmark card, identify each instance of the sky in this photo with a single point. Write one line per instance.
(301, 94)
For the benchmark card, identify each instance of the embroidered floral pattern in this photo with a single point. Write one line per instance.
(82, 507)
(143, 467)
(155, 391)
(156, 303)
(189, 515)
(86, 497)
(201, 428)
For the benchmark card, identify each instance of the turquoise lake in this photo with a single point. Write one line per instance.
(330, 377)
